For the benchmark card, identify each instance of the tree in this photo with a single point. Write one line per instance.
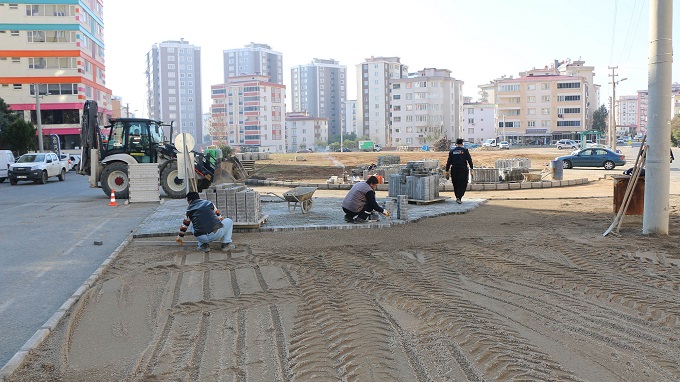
(600, 119)
(18, 136)
(6, 115)
(675, 130)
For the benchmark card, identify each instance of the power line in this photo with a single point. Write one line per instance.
(611, 51)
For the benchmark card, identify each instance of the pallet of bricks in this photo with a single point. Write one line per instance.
(419, 181)
(237, 202)
(144, 182)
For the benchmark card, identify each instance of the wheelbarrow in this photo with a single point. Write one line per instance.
(300, 197)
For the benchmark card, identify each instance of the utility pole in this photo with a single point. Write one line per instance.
(127, 108)
(656, 215)
(611, 136)
(38, 117)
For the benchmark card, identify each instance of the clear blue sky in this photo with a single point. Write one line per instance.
(478, 40)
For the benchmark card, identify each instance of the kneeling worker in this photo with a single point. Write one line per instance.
(207, 224)
(360, 201)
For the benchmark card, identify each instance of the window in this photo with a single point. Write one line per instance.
(568, 98)
(568, 123)
(545, 86)
(531, 87)
(545, 98)
(531, 123)
(569, 85)
(545, 111)
(171, 66)
(531, 99)
(531, 111)
(508, 88)
(471, 131)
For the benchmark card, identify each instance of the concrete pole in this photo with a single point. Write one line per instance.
(38, 118)
(612, 119)
(655, 218)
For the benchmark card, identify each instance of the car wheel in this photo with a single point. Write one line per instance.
(62, 175)
(559, 147)
(609, 165)
(566, 164)
(43, 177)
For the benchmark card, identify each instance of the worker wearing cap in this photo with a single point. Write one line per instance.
(360, 201)
(457, 164)
(207, 223)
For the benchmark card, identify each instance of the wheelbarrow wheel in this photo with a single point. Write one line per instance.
(306, 206)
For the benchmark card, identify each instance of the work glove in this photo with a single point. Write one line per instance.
(447, 175)
(179, 240)
(386, 213)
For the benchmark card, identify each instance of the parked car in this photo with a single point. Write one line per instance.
(304, 151)
(490, 143)
(566, 144)
(344, 150)
(66, 158)
(75, 161)
(37, 167)
(504, 145)
(596, 157)
(6, 159)
(468, 145)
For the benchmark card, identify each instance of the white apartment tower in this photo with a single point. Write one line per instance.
(248, 113)
(627, 115)
(173, 80)
(373, 96)
(350, 116)
(257, 59)
(320, 89)
(478, 121)
(304, 131)
(425, 106)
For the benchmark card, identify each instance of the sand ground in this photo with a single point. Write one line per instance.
(523, 288)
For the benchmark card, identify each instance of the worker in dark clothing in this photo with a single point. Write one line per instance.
(459, 159)
(360, 201)
(207, 223)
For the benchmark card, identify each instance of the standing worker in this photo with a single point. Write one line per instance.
(459, 158)
(207, 224)
(360, 201)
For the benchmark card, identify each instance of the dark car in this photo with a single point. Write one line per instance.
(344, 150)
(593, 157)
(304, 151)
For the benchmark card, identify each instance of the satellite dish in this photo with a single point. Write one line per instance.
(180, 141)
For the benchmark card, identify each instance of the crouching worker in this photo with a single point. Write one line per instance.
(360, 202)
(207, 224)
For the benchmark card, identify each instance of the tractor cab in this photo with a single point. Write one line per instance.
(138, 138)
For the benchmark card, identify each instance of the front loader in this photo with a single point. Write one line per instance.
(108, 151)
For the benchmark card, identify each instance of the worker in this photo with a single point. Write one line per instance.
(360, 202)
(457, 167)
(207, 223)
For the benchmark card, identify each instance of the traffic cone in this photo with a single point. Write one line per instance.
(113, 199)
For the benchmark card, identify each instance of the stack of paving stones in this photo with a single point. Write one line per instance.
(487, 175)
(386, 160)
(402, 207)
(384, 171)
(419, 180)
(144, 184)
(513, 168)
(235, 201)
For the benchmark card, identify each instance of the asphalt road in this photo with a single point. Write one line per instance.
(47, 248)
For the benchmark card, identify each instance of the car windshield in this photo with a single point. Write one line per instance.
(31, 158)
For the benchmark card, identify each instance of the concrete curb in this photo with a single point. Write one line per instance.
(39, 337)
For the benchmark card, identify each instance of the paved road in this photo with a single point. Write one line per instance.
(47, 249)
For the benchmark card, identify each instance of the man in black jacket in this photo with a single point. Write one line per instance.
(459, 158)
(360, 201)
(207, 223)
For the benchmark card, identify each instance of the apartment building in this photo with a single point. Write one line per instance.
(320, 89)
(304, 131)
(350, 117)
(478, 121)
(541, 107)
(626, 115)
(642, 105)
(258, 59)
(374, 77)
(173, 81)
(54, 49)
(248, 113)
(425, 106)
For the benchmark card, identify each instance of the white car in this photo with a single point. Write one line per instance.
(75, 161)
(504, 145)
(566, 144)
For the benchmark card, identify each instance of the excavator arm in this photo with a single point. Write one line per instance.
(89, 137)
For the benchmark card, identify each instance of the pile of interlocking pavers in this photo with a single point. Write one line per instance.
(418, 180)
(235, 201)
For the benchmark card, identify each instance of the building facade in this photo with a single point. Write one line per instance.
(303, 131)
(248, 113)
(642, 104)
(350, 116)
(478, 122)
(538, 108)
(54, 49)
(425, 106)
(257, 59)
(173, 81)
(320, 89)
(374, 78)
(626, 115)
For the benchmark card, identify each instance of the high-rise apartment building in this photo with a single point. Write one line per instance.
(374, 78)
(173, 81)
(54, 49)
(541, 107)
(258, 59)
(350, 117)
(642, 104)
(478, 121)
(320, 89)
(425, 106)
(626, 115)
(304, 131)
(248, 113)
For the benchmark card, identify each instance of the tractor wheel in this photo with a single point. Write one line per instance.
(115, 178)
(172, 185)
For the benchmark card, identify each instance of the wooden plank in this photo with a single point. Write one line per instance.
(251, 225)
(424, 202)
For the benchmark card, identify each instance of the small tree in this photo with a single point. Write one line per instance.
(227, 151)
(600, 119)
(675, 130)
(18, 136)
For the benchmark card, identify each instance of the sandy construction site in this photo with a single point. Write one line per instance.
(513, 290)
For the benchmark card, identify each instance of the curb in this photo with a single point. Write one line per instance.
(39, 337)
